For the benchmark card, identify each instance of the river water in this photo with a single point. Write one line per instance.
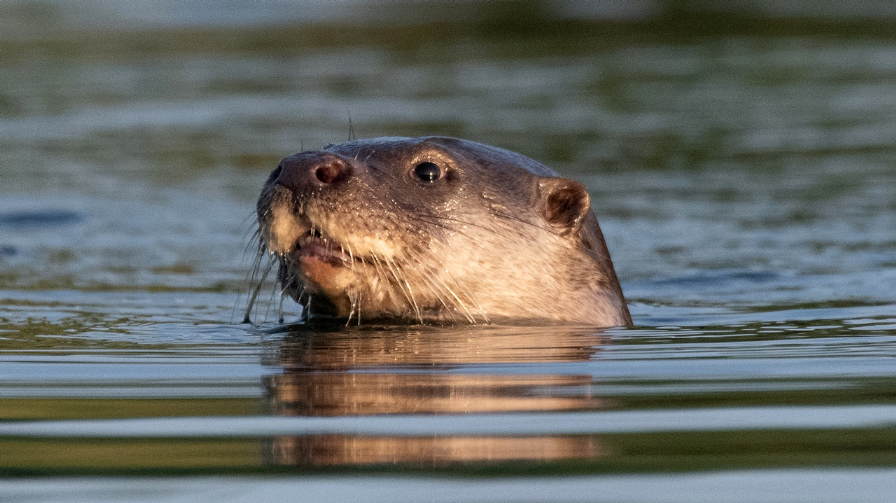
(741, 165)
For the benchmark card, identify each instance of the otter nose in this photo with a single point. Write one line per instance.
(312, 170)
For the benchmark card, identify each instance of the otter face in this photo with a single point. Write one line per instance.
(431, 230)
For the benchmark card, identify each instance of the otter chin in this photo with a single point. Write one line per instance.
(436, 230)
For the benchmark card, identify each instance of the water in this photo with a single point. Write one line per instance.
(741, 168)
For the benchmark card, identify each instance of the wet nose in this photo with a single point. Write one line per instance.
(312, 170)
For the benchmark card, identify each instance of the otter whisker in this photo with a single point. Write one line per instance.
(256, 290)
(255, 243)
(434, 287)
(469, 294)
(351, 299)
(355, 301)
(442, 222)
(434, 221)
(290, 285)
(515, 218)
(385, 277)
(286, 283)
(472, 298)
(258, 249)
(400, 278)
(403, 286)
(459, 302)
(378, 266)
(270, 302)
(306, 314)
(280, 308)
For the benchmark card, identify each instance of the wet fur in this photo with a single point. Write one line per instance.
(499, 238)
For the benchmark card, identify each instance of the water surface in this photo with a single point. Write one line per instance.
(742, 172)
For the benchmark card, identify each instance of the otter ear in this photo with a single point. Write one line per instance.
(565, 204)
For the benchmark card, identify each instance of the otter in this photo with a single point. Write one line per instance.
(436, 230)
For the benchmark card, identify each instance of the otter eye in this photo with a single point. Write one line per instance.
(428, 172)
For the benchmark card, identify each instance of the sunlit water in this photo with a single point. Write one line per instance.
(745, 184)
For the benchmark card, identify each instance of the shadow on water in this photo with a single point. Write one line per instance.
(424, 371)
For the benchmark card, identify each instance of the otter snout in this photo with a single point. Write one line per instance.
(312, 171)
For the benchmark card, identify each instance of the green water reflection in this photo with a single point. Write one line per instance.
(375, 371)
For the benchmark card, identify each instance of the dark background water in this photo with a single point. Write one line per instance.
(740, 157)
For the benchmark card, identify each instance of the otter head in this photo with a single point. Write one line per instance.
(436, 230)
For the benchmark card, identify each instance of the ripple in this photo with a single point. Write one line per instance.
(20, 220)
(753, 486)
(716, 419)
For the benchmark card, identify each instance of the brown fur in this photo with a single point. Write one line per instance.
(497, 237)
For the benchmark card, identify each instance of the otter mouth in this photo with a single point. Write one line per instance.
(315, 246)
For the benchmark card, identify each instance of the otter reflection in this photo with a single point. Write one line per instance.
(428, 370)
